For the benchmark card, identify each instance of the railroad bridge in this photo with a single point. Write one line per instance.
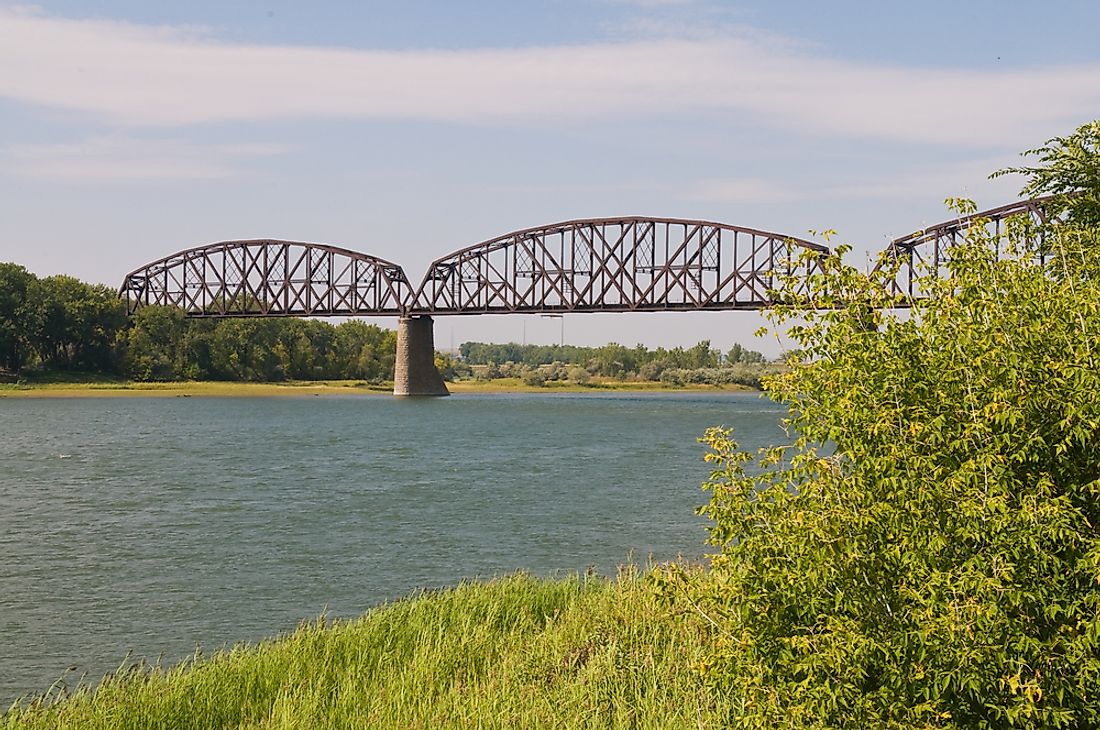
(625, 264)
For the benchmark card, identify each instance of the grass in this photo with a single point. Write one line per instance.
(118, 387)
(516, 652)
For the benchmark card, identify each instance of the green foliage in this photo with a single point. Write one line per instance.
(925, 551)
(535, 378)
(152, 344)
(739, 355)
(740, 374)
(451, 368)
(62, 324)
(17, 291)
(512, 653)
(78, 324)
(611, 360)
(162, 344)
(578, 375)
(58, 322)
(1070, 168)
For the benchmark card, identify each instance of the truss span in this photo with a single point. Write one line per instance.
(616, 265)
(269, 278)
(926, 253)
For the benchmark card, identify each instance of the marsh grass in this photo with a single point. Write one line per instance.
(513, 652)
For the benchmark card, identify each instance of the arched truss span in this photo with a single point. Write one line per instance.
(926, 252)
(268, 278)
(615, 265)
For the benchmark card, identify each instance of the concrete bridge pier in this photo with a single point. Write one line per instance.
(414, 371)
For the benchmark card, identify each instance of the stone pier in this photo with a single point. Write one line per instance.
(415, 372)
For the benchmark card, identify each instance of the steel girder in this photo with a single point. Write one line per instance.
(269, 278)
(616, 265)
(926, 252)
(592, 265)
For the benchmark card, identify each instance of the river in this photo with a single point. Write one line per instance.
(153, 526)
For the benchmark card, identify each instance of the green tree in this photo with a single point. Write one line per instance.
(925, 551)
(193, 354)
(451, 368)
(739, 355)
(152, 344)
(365, 351)
(245, 349)
(17, 315)
(77, 325)
(1069, 168)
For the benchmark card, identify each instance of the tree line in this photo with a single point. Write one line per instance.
(57, 322)
(612, 360)
(61, 323)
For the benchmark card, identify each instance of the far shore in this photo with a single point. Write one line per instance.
(184, 389)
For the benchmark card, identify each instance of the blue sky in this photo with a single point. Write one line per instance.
(130, 129)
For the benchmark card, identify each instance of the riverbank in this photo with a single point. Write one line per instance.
(512, 652)
(186, 389)
(117, 388)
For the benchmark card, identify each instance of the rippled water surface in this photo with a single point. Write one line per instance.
(157, 525)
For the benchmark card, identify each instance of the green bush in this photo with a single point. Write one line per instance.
(534, 378)
(925, 551)
(750, 375)
(579, 375)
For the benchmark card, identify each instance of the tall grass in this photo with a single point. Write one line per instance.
(514, 652)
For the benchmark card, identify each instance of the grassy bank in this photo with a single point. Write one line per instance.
(109, 388)
(116, 387)
(514, 652)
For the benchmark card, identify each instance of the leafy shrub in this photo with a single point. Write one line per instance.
(925, 551)
(534, 378)
(750, 375)
(579, 375)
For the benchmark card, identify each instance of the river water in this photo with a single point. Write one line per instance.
(159, 525)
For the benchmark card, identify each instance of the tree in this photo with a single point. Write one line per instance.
(17, 313)
(152, 344)
(925, 551)
(1070, 169)
(365, 351)
(77, 324)
(739, 355)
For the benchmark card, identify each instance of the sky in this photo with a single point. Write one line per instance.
(132, 129)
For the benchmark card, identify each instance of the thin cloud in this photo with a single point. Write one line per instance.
(138, 76)
(652, 3)
(744, 190)
(123, 159)
(968, 178)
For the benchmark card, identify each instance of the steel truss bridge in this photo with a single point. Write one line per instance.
(926, 253)
(628, 264)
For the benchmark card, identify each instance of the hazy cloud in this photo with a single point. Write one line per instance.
(134, 75)
(652, 3)
(966, 178)
(745, 190)
(117, 159)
